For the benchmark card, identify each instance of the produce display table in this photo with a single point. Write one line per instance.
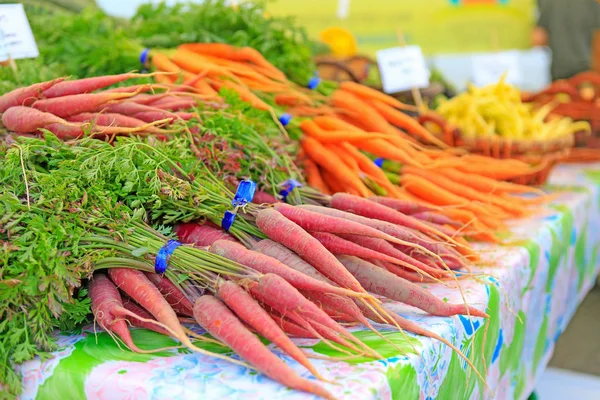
(534, 287)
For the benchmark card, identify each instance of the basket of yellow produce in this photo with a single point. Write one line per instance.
(494, 121)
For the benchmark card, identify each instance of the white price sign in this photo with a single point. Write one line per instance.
(16, 38)
(488, 68)
(402, 68)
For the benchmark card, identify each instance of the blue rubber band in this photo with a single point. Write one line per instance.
(164, 255)
(285, 119)
(288, 186)
(243, 195)
(144, 56)
(379, 162)
(313, 82)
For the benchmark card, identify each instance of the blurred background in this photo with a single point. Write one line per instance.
(448, 31)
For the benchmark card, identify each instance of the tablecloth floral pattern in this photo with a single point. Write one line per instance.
(531, 292)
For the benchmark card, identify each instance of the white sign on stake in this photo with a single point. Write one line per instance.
(16, 38)
(488, 68)
(402, 68)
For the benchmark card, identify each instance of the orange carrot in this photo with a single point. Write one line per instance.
(314, 178)
(329, 161)
(484, 184)
(359, 109)
(365, 163)
(335, 124)
(382, 148)
(371, 94)
(405, 121)
(193, 62)
(311, 128)
(345, 157)
(336, 186)
(226, 51)
(429, 192)
(466, 191)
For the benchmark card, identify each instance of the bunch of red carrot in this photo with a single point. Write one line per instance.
(72, 108)
(316, 270)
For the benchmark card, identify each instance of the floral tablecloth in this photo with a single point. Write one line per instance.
(534, 286)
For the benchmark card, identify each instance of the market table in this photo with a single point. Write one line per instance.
(532, 289)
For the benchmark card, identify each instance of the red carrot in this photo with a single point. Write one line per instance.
(140, 289)
(112, 119)
(312, 221)
(412, 327)
(176, 299)
(249, 311)
(141, 88)
(338, 246)
(436, 218)
(151, 116)
(262, 197)
(391, 229)
(78, 103)
(130, 305)
(25, 96)
(146, 99)
(286, 299)
(265, 264)
(201, 234)
(401, 272)
(108, 310)
(186, 116)
(217, 319)
(176, 105)
(22, 119)
(383, 247)
(282, 230)
(404, 206)
(131, 108)
(370, 209)
(384, 283)
(77, 130)
(289, 327)
(289, 258)
(341, 304)
(87, 85)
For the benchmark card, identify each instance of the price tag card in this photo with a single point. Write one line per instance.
(488, 68)
(16, 38)
(402, 68)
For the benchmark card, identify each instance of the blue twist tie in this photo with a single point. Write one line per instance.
(313, 82)
(288, 186)
(379, 162)
(243, 195)
(164, 255)
(285, 119)
(144, 56)
(227, 220)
